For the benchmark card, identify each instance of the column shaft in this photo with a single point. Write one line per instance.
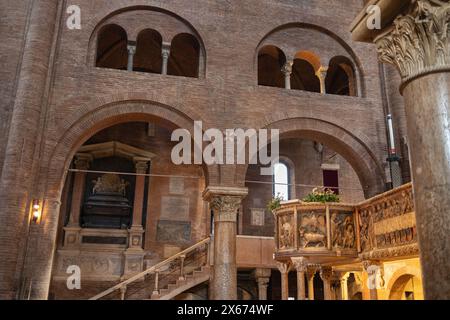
(428, 118)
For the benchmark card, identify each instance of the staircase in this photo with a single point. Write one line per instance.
(166, 279)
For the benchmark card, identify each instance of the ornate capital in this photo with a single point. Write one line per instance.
(141, 167)
(287, 68)
(300, 264)
(165, 50)
(326, 273)
(82, 161)
(418, 44)
(225, 207)
(284, 267)
(131, 49)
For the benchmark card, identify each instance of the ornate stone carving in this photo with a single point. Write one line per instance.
(343, 230)
(300, 264)
(326, 273)
(312, 230)
(225, 207)
(388, 221)
(110, 183)
(418, 42)
(286, 232)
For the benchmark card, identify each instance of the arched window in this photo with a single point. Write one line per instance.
(281, 181)
(340, 78)
(148, 52)
(304, 70)
(184, 57)
(270, 63)
(112, 48)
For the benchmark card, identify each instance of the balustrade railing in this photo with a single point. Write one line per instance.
(181, 263)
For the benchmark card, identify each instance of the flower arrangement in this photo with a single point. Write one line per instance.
(322, 195)
(275, 203)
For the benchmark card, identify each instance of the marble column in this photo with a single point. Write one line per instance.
(301, 266)
(321, 73)
(325, 275)
(287, 71)
(262, 277)
(131, 48)
(165, 53)
(72, 230)
(284, 268)
(418, 45)
(225, 203)
(344, 286)
(310, 274)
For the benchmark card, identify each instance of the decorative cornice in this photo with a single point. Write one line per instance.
(400, 251)
(418, 42)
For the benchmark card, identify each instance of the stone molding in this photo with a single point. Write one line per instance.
(418, 42)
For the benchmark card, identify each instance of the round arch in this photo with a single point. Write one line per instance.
(355, 151)
(399, 279)
(102, 118)
(359, 70)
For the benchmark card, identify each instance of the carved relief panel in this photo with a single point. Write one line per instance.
(312, 230)
(286, 231)
(343, 232)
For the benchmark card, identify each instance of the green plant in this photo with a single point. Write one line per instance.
(275, 203)
(322, 195)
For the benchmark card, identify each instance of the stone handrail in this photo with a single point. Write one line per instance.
(154, 269)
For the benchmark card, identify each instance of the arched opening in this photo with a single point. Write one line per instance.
(281, 181)
(112, 48)
(184, 57)
(406, 287)
(270, 63)
(148, 52)
(102, 183)
(340, 78)
(303, 77)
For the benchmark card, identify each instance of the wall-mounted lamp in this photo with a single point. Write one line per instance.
(36, 211)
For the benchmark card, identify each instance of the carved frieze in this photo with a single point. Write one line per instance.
(343, 230)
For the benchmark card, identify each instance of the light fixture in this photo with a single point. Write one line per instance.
(36, 211)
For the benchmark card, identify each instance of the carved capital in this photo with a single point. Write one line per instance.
(225, 207)
(82, 161)
(418, 44)
(165, 52)
(284, 267)
(287, 68)
(300, 264)
(141, 167)
(326, 273)
(131, 49)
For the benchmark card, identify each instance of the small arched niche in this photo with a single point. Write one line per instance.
(112, 48)
(184, 57)
(271, 60)
(303, 77)
(341, 78)
(148, 52)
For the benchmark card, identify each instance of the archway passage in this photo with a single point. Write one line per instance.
(148, 52)
(304, 70)
(184, 57)
(406, 287)
(123, 194)
(270, 64)
(340, 78)
(304, 77)
(112, 48)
